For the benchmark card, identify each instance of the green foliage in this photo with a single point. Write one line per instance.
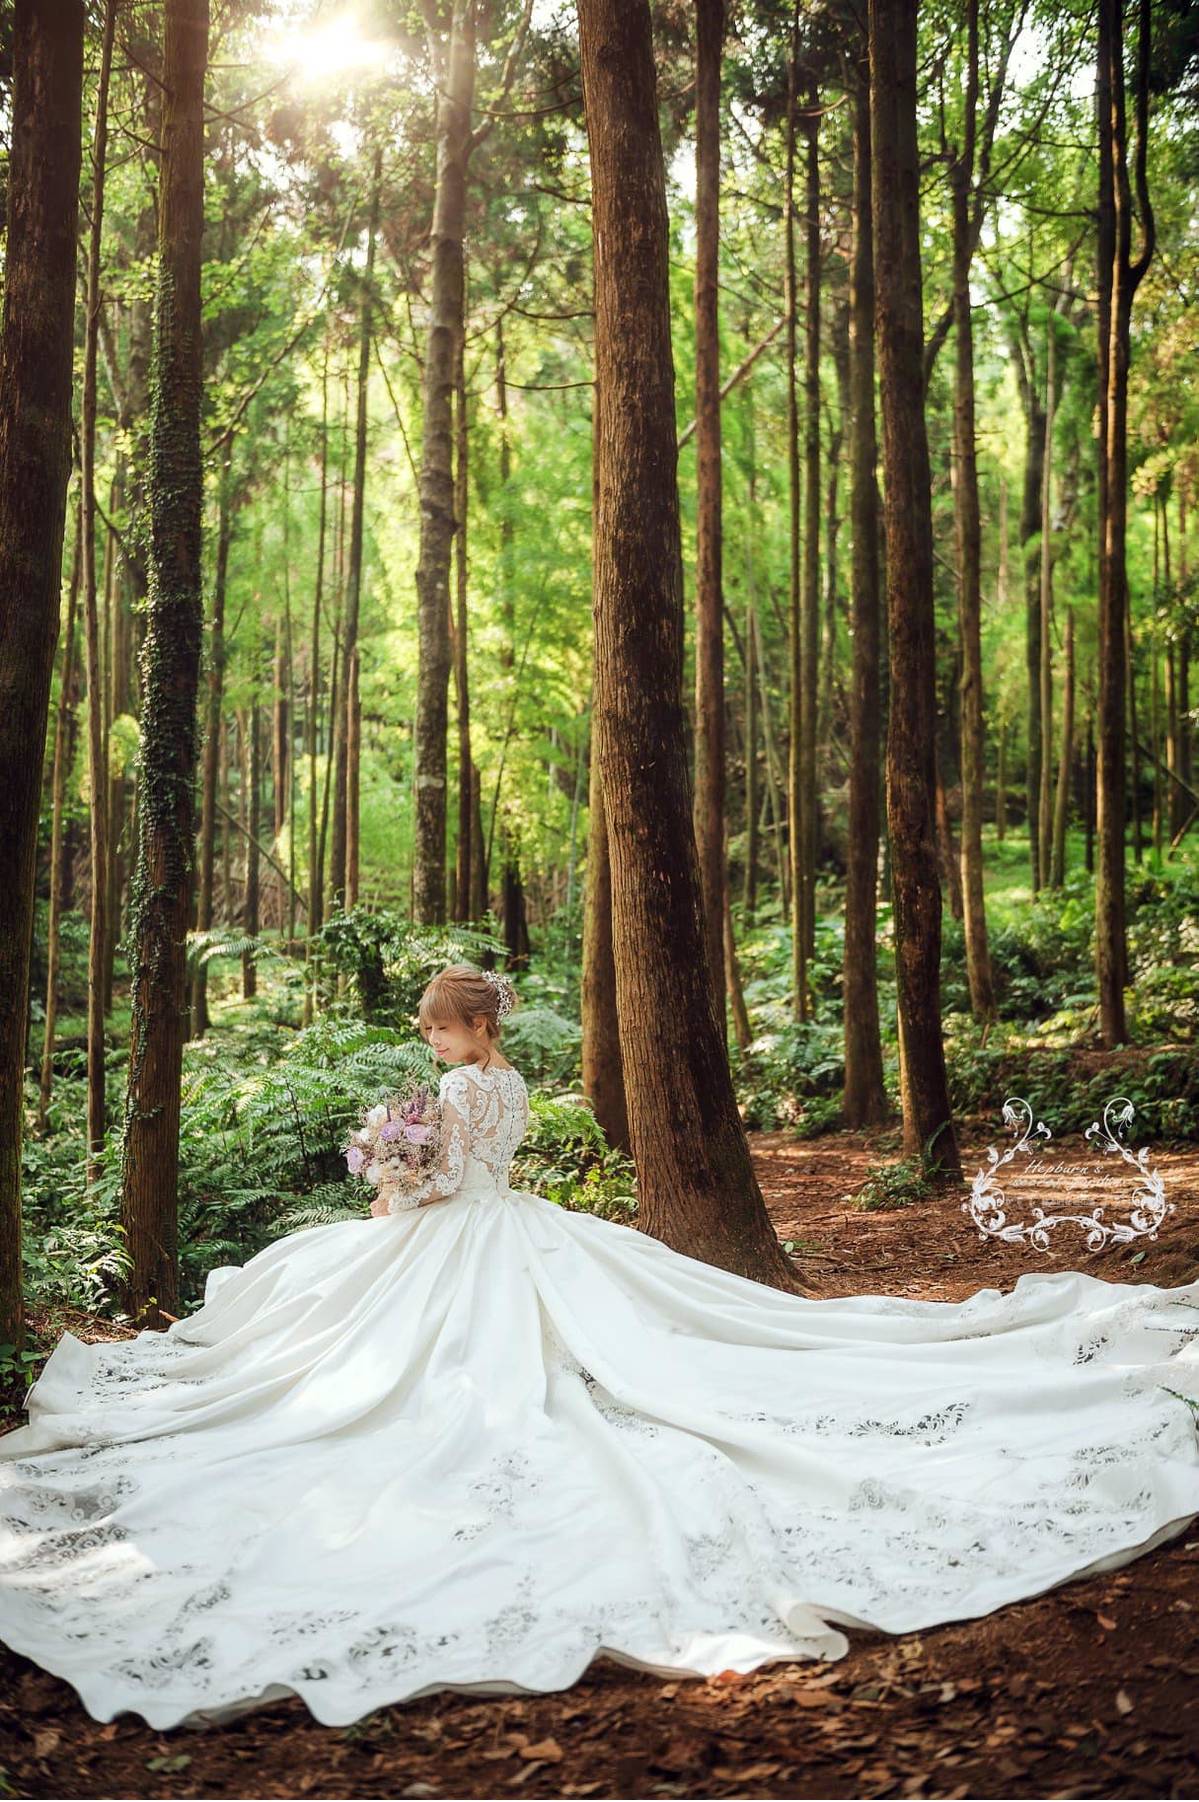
(390, 960)
(1069, 1088)
(894, 1185)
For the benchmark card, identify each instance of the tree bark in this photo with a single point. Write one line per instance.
(1030, 538)
(353, 783)
(1044, 820)
(36, 337)
(864, 1097)
(252, 778)
(345, 830)
(795, 837)
(969, 548)
(928, 1129)
(462, 885)
(311, 722)
(162, 888)
(1116, 296)
(212, 741)
(58, 788)
(97, 761)
(697, 1188)
(437, 522)
(709, 600)
(1057, 874)
(810, 597)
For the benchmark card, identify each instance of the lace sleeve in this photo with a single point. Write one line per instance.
(447, 1173)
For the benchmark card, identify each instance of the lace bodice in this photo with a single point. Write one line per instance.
(486, 1113)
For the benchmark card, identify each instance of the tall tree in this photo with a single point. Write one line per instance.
(1119, 278)
(969, 548)
(212, 740)
(709, 598)
(795, 819)
(810, 588)
(96, 738)
(911, 740)
(36, 335)
(170, 665)
(58, 789)
(345, 830)
(864, 1098)
(696, 1181)
(456, 143)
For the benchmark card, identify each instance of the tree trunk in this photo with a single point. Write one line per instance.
(117, 704)
(969, 548)
(345, 830)
(36, 339)
(280, 745)
(252, 777)
(58, 787)
(1030, 536)
(461, 669)
(736, 993)
(162, 889)
(864, 1098)
(1118, 284)
(749, 890)
(911, 743)
(1044, 816)
(97, 761)
(709, 600)
(1134, 754)
(353, 780)
(832, 530)
(1001, 781)
(1057, 874)
(311, 734)
(1091, 785)
(447, 300)
(603, 1069)
(795, 837)
(212, 742)
(810, 598)
(697, 1188)
(1185, 763)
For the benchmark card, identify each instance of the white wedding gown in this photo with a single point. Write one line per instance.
(471, 1445)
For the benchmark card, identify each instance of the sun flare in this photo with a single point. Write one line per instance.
(322, 52)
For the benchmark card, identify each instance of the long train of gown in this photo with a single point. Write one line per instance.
(472, 1445)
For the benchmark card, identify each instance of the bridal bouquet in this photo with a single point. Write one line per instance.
(396, 1143)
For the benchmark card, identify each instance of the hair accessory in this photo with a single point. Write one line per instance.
(505, 993)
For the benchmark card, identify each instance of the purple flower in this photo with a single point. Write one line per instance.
(356, 1159)
(419, 1135)
(391, 1131)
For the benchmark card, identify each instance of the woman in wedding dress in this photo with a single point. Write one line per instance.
(474, 1443)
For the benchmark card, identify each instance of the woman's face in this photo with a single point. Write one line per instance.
(452, 1041)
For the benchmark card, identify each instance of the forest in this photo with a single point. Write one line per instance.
(692, 507)
(763, 630)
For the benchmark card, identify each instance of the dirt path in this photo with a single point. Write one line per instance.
(1090, 1690)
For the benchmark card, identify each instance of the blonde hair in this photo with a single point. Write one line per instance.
(460, 993)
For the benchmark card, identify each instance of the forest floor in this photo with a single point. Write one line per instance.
(1091, 1689)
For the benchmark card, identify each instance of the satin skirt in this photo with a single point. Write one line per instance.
(473, 1445)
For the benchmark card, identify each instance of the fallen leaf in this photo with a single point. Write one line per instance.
(1106, 1622)
(814, 1698)
(547, 1749)
(1124, 1701)
(45, 1741)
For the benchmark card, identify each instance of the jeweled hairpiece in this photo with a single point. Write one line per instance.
(505, 993)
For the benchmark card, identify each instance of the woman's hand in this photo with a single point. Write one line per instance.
(379, 1202)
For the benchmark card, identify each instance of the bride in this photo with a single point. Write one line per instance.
(471, 1444)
